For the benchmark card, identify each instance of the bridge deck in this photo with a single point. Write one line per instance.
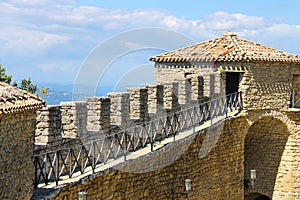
(136, 154)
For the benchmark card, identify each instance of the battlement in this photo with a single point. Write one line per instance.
(101, 115)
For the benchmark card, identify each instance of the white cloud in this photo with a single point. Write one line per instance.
(20, 40)
(227, 21)
(284, 30)
(37, 27)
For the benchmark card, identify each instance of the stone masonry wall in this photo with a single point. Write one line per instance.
(266, 86)
(74, 119)
(139, 104)
(266, 139)
(98, 114)
(217, 160)
(101, 115)
(120, 109)
(16, 150)
(271, 148)
(155, 98)
(184, 92)
(212, 159)
(48, 125)
(169, 72)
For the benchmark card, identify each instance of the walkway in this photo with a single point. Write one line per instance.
(70, 165)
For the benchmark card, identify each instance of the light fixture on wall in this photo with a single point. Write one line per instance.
(252, 178)
(187, 186)
(82, 195)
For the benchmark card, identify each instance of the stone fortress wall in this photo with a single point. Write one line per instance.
(224, 172)
(100, 115)
(16, 149)
(263, 87)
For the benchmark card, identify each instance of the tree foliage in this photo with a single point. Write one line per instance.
(3, 76)
(25, 84)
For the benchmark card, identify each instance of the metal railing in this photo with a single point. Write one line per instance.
(294, 99)
(51, 166)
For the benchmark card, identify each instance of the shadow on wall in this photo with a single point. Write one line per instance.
(256, 196)
(264, 146)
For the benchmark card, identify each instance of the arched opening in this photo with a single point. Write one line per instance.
(257, 196)
(264, 146)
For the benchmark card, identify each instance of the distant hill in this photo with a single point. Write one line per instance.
(62, 93)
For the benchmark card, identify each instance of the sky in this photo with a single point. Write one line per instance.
(51, 40)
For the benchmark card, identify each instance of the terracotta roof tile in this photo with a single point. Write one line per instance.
(15, 100)
(229, 47)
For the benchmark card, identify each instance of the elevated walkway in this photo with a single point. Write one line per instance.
(70, 165)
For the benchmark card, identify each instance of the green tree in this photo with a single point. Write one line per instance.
(3, 76)
(25, 84)
(28, 86)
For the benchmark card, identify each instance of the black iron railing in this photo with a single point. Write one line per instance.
(294, 99)
(51, 166)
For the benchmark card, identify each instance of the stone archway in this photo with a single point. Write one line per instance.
(256, 196)
(264, 146)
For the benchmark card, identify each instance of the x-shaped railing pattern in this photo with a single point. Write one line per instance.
(51, 166)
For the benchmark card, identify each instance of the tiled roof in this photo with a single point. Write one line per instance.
(229, 47)
(15, 100)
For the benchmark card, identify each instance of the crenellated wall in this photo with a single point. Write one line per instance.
(102, 115)
(204, 73)
(263, 136)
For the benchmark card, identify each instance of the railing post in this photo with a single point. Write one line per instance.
(70, 172)
(94, 154)
(46, 169)
(82, 159)
(35, 183)
(237, 97)
(174, 127)
(226, 105)
(241, 100)
(293, 98)
(193, 119)
(125, 144)
(151, 141)
(57, 168)
(210, 112)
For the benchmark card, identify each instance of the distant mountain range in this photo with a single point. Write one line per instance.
(62, 93)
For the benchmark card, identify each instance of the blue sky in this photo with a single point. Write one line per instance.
(49, 40)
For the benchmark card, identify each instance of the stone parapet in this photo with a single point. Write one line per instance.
(155, 98)
(138, 104)
(48, 125)
(98, 114)
(184, 92)
(74, 119)
(120, 110)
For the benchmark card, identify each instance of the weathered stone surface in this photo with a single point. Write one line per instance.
(265, 136)
(16, 155)
(98, 113)
(139, 104)
(120, 108)
(214, 175)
